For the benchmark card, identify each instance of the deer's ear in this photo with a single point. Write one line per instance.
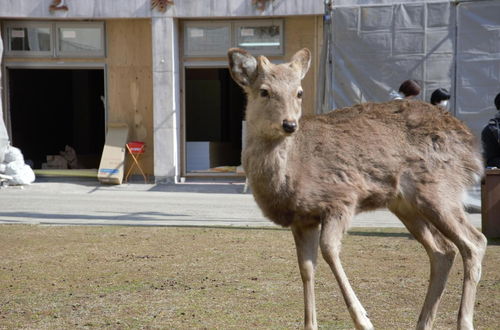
(264, 64)
(243, 66)
(301, 61)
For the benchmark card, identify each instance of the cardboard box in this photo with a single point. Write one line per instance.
(197, 156)
(112, 164)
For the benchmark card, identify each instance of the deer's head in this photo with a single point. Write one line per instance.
(274, 92)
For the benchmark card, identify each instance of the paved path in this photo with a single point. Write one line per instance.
(87, 202)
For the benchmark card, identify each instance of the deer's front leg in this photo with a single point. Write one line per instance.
(332, 230)
(306, 242)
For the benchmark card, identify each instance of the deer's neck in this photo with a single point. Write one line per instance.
(267, 166)
(266, 161)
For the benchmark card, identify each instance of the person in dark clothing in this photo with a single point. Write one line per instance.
(440, 97)
(490, 138)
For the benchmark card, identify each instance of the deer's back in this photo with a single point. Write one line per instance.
(378, 133)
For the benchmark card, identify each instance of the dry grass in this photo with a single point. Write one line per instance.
(195, 278)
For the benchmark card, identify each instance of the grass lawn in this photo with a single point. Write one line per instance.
(215, 278)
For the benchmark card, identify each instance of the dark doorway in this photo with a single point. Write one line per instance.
(215, 107)
(52, 108)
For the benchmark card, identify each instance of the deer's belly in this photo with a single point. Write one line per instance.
(282, 210)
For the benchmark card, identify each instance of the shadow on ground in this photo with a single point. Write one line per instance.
(378, 234)
(197, 185)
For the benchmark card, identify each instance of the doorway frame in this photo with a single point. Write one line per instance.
(49, 66)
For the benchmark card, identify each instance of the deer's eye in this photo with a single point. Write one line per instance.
(264, 93)
(299, 94)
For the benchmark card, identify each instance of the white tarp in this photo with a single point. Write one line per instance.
(478, 62)
(438, 43)
(4, 138)
(376, 48)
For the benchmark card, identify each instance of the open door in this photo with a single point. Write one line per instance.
(215, 107)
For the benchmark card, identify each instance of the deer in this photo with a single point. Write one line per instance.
(313, 173)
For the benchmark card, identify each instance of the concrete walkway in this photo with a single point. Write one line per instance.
(87, 202)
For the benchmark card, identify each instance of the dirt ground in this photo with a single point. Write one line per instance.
(215, 278)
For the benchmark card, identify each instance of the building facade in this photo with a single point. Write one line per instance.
(72, 67)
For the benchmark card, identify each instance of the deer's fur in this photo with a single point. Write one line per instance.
(314, 173)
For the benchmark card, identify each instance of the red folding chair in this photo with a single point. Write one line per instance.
(135, 150)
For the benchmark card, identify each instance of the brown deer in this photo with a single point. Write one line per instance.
(314, 173)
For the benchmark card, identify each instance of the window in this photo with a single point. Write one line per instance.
(75, 39)
(48, 39)
(262, 36)
(207, 39)
(214, 38)
(28, 39)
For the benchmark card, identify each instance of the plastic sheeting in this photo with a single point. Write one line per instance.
(4, 138)
(376, 48)
(478, 62)
(373, 48)
(14, 170)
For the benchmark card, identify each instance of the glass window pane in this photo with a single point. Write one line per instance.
(207, 40)
(260, 37)
(80, 39)
(29, 39)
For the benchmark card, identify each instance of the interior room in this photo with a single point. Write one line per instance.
(54, 108)
(215, 107)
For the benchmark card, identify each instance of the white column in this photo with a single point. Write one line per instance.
(4, 137)
(166, 104)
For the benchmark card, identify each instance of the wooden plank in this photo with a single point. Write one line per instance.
(130, 83)
(300, 32)
(490, 204)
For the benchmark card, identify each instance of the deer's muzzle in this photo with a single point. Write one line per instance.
(289, 126)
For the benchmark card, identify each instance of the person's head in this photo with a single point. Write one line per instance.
(497, 101)
(440, 97)
(409, 88)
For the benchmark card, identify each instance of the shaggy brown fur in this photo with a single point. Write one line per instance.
(361, 155)
(316, 172)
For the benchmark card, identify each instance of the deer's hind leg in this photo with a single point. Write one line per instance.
(446, 213)
(332, 230)
(440, 250)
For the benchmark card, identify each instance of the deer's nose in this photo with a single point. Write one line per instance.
(289, 126)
